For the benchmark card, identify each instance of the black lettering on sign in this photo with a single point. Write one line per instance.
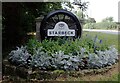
(55, 32)
(62, 32)
(71, 32)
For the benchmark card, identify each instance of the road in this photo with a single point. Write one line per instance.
(103, 31)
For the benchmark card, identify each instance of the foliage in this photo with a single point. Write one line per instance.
(19, 18)
(19, 56)
(60, 61)
(101, 25)
(111, 40)
(32, 45)
(87, 52)
(80, 15)
(108, 19)
(106, 23)
(90, 20)
(68, 6)
(56, 61)
(103, 58)
(69, 45)
(82, 5)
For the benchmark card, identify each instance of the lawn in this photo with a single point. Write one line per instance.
(110, 39)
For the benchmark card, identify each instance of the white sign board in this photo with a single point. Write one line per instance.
(61, 29)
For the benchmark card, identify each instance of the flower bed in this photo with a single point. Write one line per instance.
(52, 58)
(60, 61)
(62, 54)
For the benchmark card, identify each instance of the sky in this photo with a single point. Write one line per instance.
(100, 9)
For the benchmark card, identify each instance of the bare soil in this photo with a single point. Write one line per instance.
(102, 76)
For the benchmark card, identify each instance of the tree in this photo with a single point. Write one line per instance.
(67, 6)
(80, 15)
(82, 5)
(19, 18)
(108, 19)
(90, 20)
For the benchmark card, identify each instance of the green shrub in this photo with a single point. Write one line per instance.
(68, 45)
(32, 45)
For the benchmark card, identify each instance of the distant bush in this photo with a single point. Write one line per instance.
(101, 25)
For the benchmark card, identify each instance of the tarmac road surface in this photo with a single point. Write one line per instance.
(103, 31)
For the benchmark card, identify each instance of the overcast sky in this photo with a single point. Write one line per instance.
(100, 9)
